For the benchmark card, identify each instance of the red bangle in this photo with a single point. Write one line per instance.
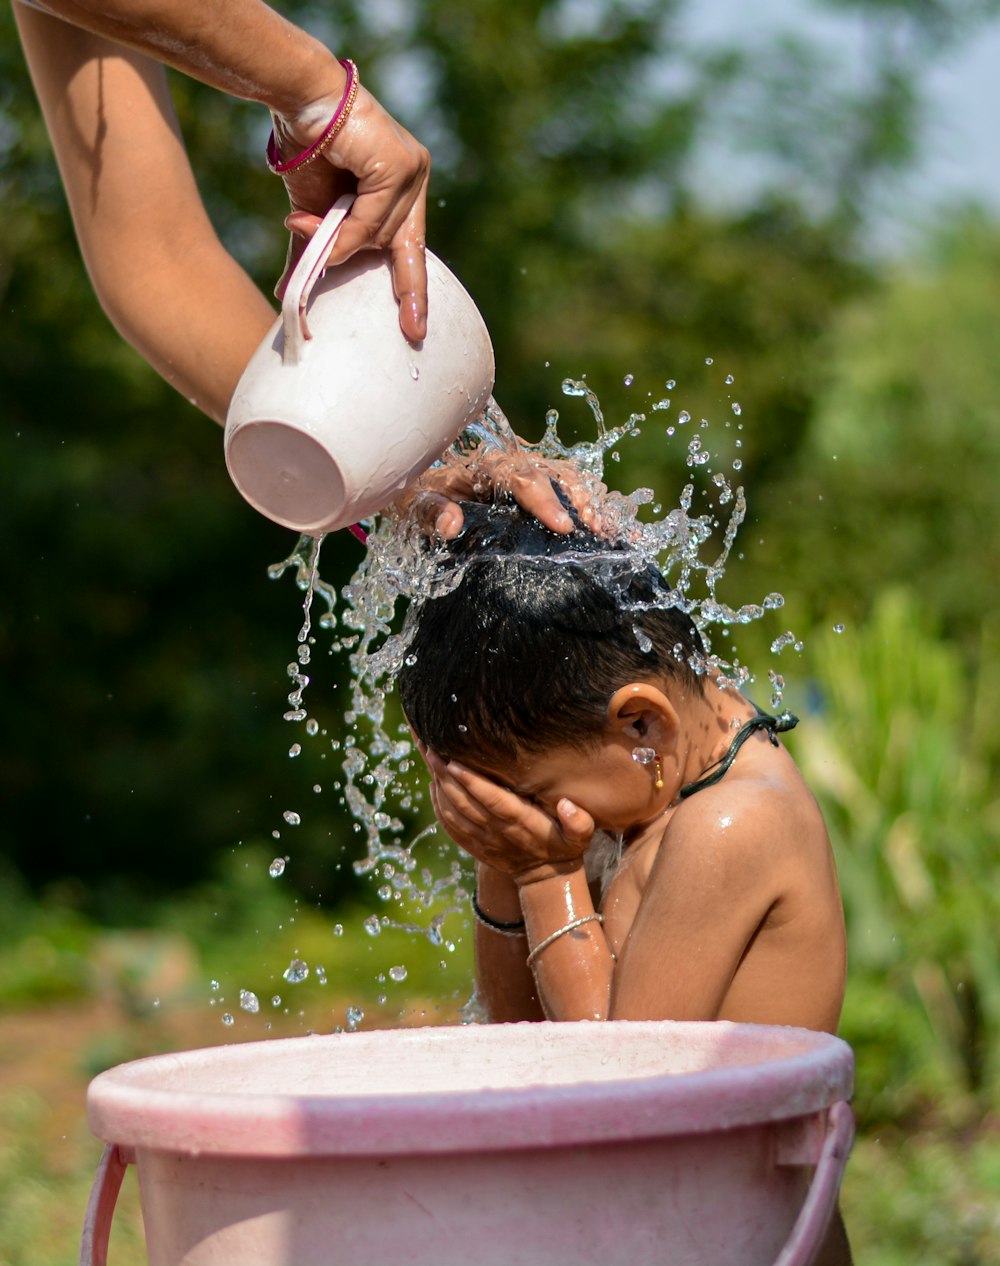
(280, 166)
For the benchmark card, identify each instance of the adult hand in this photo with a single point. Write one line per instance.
(526, 476)
(389, 170)
(504, 830)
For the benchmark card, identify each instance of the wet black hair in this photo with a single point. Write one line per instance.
(525, 653)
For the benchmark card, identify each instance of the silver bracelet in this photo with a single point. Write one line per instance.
(574, 923)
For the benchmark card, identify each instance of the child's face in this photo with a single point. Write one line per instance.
(617, 792)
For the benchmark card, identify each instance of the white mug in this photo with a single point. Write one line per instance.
(337, 412)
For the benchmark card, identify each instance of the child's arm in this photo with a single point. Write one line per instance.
(162, 275)
(505, 986)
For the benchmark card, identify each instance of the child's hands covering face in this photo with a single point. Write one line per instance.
(504, 830)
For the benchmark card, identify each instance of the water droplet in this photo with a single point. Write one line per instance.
(249, 1001)
(780, 642)
(276, 1000)
(373, 925)
(737, 463)
(294, 750)
(338, 929)
(644, 755)
(291, 817)
(838, 628)
(354, 1016)
(670, 384)
(683, 416)
(312, 727)
(709, 360)
(227, 1019)
(276, 868)
(737, 407)
(629, 380)
(296, 971)
(296, 714)
(645, 642)
(410, 661)
(214, 986)
(662, 404)
(729, 380)
(397, 973)
(414, 372)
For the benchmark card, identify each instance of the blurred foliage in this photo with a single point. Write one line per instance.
(896, 757)
(143, 651)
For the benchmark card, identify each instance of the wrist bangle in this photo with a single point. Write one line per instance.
(574, 923)
(516, 928)
(280, 166)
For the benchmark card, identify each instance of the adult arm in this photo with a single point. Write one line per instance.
(157, 266)
(246, 49)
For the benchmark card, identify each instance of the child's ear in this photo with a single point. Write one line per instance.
(643, 714)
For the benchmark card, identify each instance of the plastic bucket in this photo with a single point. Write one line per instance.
(693, 1144)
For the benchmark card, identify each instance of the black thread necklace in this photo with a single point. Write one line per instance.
(762, 721)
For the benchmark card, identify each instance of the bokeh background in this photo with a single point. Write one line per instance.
(628, 189)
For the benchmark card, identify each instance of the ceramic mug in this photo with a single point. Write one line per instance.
(337, 412)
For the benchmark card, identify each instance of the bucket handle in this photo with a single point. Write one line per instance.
(101, 1206)
(814, 1216)
(304, 276)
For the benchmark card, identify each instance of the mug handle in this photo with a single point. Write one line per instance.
(101, 1206)
(305, 275)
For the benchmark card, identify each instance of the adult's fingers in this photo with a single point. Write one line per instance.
(436, 515)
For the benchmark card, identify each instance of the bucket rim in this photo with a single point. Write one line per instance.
(129, 1106)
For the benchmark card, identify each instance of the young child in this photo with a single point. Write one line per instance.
(646, 847)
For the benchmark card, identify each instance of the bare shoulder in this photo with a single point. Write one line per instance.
(759, 828)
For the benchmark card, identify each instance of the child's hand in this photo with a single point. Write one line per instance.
(502, 829)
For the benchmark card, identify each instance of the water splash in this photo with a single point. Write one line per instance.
(422, 878)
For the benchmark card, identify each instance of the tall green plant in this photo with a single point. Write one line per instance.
(897, 759)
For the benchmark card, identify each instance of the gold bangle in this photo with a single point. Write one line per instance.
(574, 923)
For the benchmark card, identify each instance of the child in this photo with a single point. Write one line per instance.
(645, 847)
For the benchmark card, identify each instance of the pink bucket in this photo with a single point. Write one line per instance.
(693, 1144)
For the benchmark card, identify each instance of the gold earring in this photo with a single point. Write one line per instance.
(659, 774)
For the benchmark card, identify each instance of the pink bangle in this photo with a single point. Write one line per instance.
(280, 166)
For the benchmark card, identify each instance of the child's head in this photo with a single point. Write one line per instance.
(524, 655)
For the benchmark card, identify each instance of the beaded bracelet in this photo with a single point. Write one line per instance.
(574, 923)
(280, 166)
(516, 928)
